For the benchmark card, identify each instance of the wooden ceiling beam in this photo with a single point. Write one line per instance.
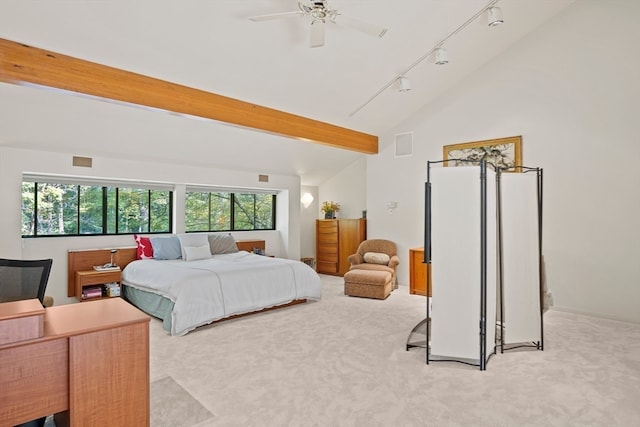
(20, 64)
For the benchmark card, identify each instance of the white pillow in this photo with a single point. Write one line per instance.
(192, 239)
(194, 253)
(376, 258)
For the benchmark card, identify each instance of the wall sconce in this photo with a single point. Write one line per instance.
(391, 206)
(306, 200)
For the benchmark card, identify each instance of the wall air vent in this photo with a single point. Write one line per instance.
(404, 144)
(85, 162)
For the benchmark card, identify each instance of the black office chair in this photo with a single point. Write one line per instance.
(23, 279)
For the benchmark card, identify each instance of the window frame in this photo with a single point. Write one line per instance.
(105, 187)
(232, 208)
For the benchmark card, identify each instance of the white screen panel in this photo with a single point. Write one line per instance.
(455, 262)
(521, 281)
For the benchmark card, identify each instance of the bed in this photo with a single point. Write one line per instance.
(188, 294)
(190, 280)
(193, 279)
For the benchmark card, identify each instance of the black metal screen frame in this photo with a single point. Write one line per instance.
(537, 345)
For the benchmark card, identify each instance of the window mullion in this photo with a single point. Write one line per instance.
(117, 229)
(35, 210)
(77, 209)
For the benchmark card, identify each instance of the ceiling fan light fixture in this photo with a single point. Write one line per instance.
(442, 57)
(495, 16)
(405, 84)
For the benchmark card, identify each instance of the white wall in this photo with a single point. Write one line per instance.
(348, 189)
(571, 89)
(284, 242)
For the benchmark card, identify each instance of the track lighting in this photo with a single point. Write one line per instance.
(495, 16)
(441, 56)
(405, 84)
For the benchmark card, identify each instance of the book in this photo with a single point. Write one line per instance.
(92, 292)
(106, 267)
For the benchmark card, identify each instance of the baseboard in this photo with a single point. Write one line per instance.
(596, 315)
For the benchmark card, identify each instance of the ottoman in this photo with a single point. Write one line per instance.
(368, 283)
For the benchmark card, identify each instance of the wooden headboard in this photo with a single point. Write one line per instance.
(85, 259)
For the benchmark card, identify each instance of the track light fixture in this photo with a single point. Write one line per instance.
(495, 16)
(441, 56)
(405, 84)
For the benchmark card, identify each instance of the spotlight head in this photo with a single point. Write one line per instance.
(405, 84)
(495, 16)
(441, 56)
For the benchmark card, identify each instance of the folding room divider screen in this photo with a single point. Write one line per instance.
(483, 239)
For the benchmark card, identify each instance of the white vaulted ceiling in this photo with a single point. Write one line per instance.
(213, 46)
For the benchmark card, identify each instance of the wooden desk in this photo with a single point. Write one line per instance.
(90, 368)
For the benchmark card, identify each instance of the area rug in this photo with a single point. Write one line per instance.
(173, 406)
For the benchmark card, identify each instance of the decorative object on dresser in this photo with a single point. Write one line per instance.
(329, 209)
(336, 239)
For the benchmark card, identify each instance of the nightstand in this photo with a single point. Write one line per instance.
(92, 278)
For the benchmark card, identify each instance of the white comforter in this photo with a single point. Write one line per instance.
(224, 285)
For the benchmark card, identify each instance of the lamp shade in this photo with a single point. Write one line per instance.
(405, 84)
(441, 56)
(495, 16)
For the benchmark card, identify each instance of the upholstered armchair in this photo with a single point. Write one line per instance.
(376, 254)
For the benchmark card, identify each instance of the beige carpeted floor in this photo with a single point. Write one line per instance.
(342, 362)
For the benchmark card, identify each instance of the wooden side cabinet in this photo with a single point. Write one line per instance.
(88, 278)
(336, 239)
(250, 245)
(419, 273)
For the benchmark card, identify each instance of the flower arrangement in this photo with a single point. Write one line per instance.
(330, 208)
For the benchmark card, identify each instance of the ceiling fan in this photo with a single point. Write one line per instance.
(320, 12)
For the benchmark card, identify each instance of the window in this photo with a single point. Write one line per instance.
(70, 209)
(223, 211)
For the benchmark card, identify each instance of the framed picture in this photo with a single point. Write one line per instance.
(505, 153)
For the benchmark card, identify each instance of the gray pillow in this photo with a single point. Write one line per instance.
(222, 244)
(166, 247)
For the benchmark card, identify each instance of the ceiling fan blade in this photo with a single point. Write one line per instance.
(365, 27)
(275, 16)
(317, 33)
